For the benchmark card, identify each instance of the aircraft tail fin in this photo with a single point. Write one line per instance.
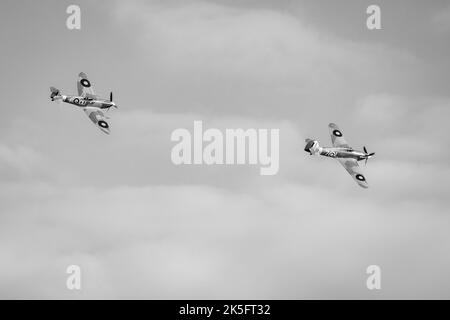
(55, 93)
(312, 146)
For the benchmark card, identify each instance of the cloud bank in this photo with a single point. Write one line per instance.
(140, 227)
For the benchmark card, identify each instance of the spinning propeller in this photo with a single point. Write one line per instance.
(367, 155)
(111, 100)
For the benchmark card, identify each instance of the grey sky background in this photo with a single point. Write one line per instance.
(140, 227)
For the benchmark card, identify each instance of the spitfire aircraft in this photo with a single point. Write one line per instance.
(88, 101)
(346, 155)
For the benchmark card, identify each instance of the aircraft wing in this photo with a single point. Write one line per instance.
(84, 86)
(337, 138)
(352, 167)
(98, 118)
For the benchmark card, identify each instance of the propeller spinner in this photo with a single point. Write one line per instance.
(111, 100)
(368, 155)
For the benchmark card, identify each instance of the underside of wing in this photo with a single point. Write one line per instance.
(352, 167)
(84, 86)
(337, 138)
(98, 118)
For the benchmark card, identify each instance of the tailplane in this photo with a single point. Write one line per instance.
(55, 94)
(312, 146)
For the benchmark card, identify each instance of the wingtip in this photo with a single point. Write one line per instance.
(365, 186)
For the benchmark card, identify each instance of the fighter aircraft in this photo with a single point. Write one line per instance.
(346, 155)
(88, 101)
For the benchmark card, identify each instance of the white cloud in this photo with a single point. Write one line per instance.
(441, 19)
(204, 242)
(214, 58)
(141, 227)
(20, 161)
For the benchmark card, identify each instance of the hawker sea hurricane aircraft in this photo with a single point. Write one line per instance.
(88, 101)
(342, 152)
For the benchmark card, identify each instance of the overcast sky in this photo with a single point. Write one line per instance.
(141, 227)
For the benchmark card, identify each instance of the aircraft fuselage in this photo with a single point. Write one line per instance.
(341, 153)
(83, 102)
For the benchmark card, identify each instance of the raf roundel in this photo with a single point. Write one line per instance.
(103, 124)
(337, 133)
(360, 177)
(85, 83)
